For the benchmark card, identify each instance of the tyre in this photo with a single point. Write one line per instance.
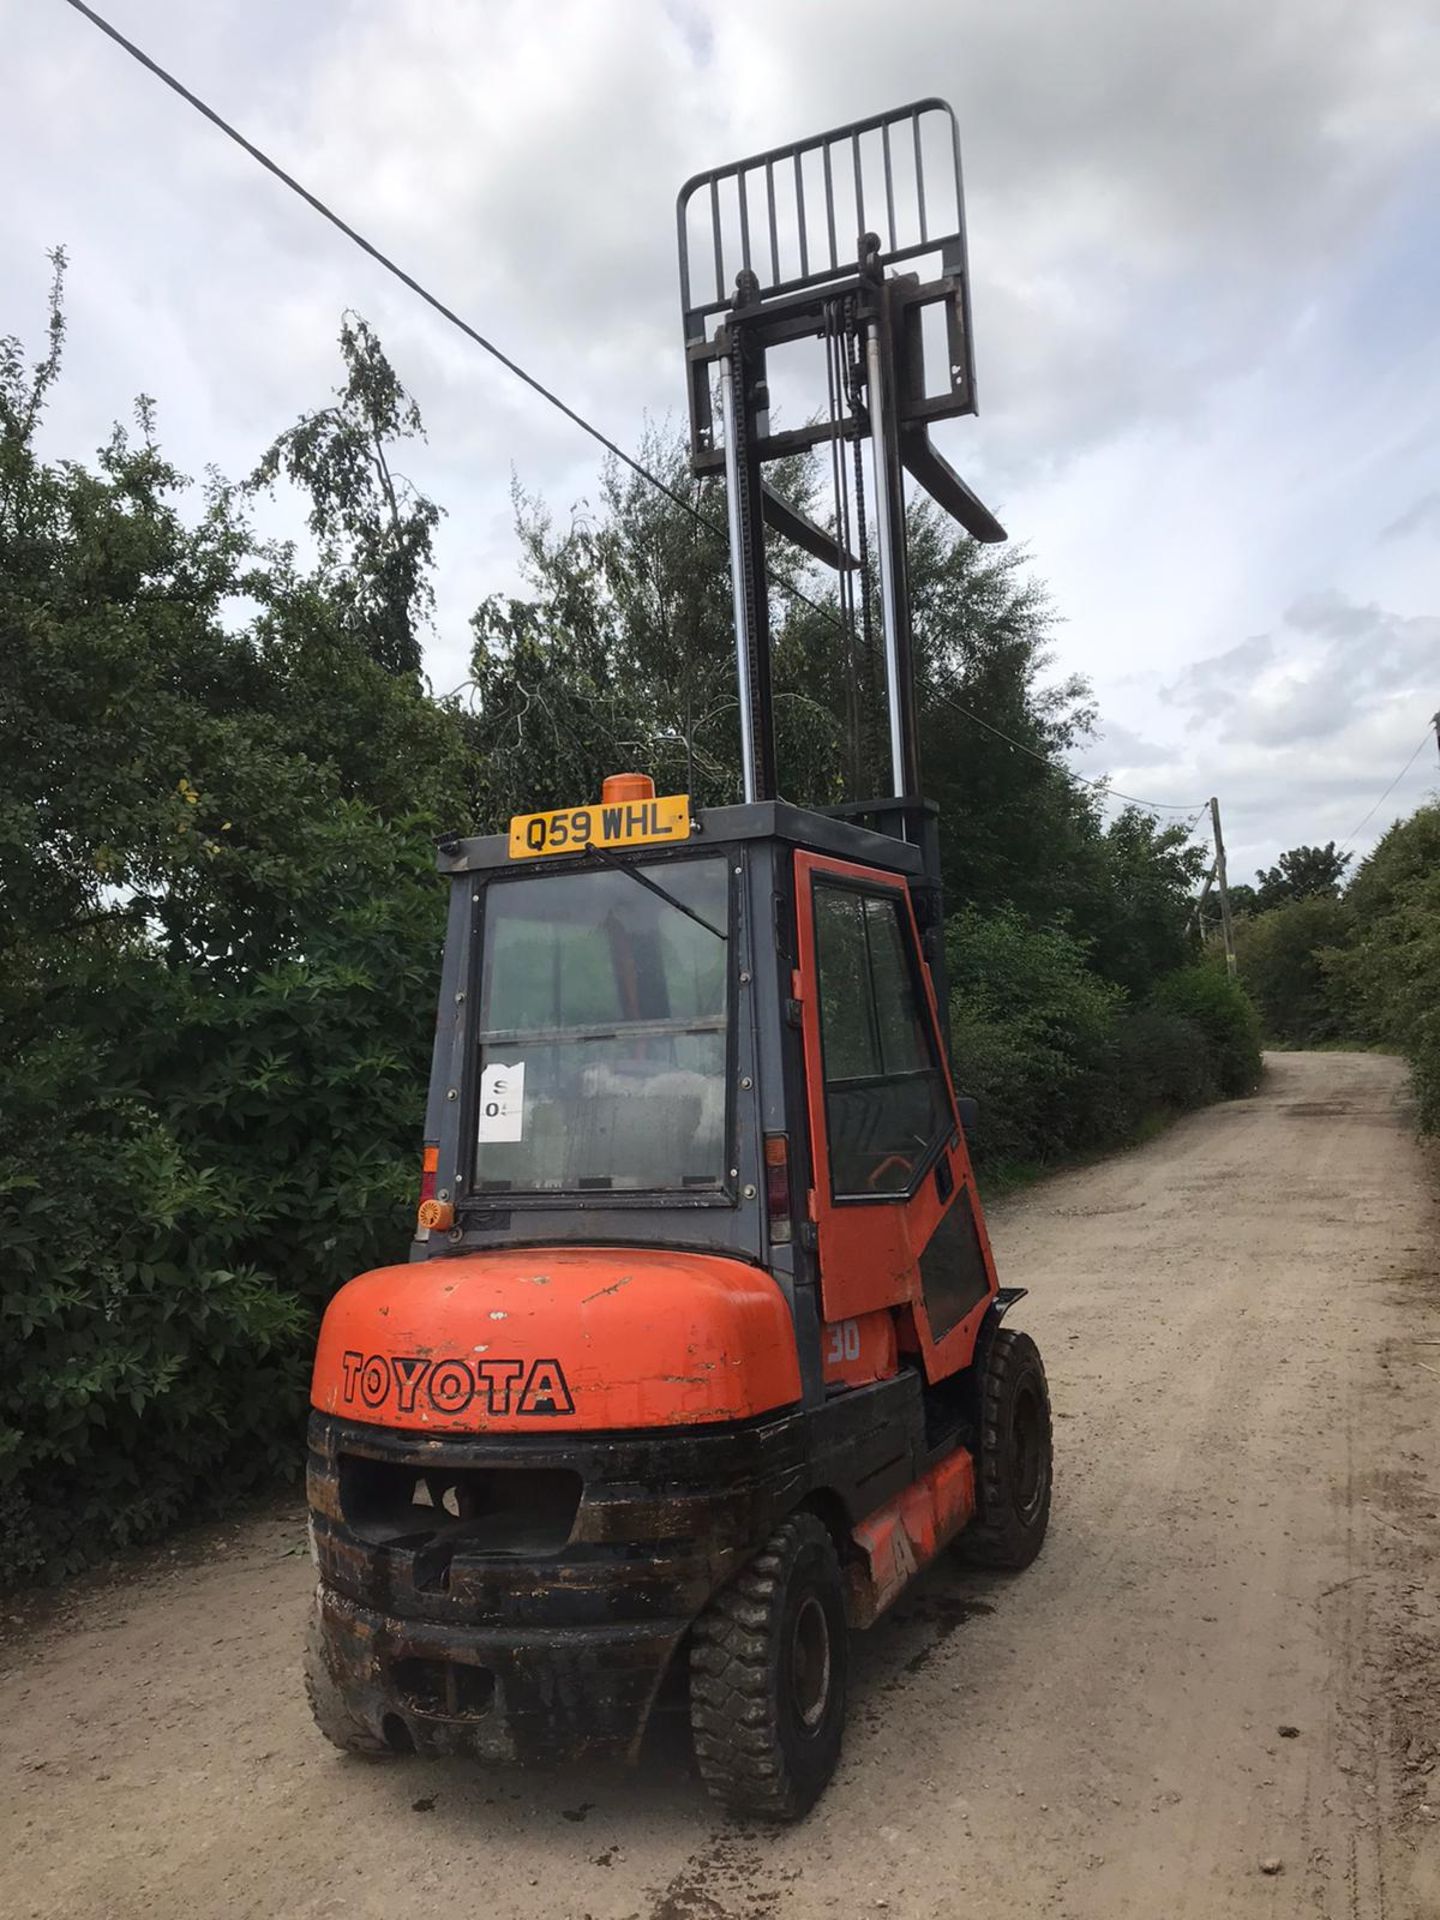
(1013, 1468)
(327, 1703)
(769, 1660)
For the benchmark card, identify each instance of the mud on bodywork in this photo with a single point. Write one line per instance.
(520, 1599)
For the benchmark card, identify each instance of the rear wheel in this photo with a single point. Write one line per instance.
(768, 1667)
(1014, 1465)
(327, 1703)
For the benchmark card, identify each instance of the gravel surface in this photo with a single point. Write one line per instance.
(1216, 1693)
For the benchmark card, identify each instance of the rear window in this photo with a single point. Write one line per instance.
(603, 1016)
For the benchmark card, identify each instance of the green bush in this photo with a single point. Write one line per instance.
(188, 1170)
(219, 943)
(1164, 1063)
(1032, 1033)
(1391, 972)
(150, 1373)
(1282, 967)
(1059, 1060)
(1222, 1014)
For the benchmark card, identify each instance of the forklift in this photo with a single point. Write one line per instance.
(698, 1358)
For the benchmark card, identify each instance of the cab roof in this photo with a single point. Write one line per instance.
(802, 827)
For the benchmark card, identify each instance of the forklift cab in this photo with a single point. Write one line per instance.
(723, 1040)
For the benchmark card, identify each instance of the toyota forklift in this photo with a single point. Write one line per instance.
(698, 1358)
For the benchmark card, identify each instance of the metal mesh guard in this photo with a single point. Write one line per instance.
(780, 214)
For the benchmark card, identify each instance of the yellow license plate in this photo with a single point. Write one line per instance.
(627, 823)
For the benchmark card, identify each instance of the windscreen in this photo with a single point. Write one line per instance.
(603, 1031)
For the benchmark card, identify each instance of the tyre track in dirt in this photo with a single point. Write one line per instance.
(1244, 1540)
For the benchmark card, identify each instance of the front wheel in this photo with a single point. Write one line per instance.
(768, 1665)
(1013, 1468)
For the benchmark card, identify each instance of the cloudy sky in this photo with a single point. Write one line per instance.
(1205, 238)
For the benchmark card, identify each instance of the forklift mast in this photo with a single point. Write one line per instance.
(894, 322)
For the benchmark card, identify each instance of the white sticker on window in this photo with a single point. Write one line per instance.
(502, 1101)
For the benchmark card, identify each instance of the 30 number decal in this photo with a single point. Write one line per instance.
(844, 1342)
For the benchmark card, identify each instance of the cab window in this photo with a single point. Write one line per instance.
(887, 1106)
(603, 1032)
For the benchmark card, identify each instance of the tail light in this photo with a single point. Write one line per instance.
(428, 1164)
(777, 1185)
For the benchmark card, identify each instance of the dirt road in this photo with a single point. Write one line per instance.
(1228, 1654)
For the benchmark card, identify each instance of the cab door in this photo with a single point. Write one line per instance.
(893, 1203)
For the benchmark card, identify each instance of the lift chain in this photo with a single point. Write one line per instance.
(854, 393)
(755, 620)
(845, 583)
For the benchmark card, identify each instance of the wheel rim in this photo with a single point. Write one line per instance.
(810, 1663)
(1027, 1451)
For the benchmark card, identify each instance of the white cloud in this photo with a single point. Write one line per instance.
(1418, 518)
(1205, 258)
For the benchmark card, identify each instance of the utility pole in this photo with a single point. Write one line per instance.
(1435, 722)
(1199, 908)
(1222, 888)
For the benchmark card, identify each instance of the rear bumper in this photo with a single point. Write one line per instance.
(516, 1696)
(522, 1655)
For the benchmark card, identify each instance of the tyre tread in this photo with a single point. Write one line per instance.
(989, 1540)
(733, 1704)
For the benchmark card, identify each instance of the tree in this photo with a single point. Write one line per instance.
(1033, 1030)
(219, 942)
(1137, 908)
(375, 532)
(1244, 901)
(1018, 831)
(1281, 957)
(1304, 873)
(1391, 970)
(622, 652)
(1406, 855)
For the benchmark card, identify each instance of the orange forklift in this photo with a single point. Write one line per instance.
(698, 1357)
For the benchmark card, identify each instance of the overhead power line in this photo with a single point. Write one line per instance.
(637, 467)
(312, 200)
(1192, 807)
(1424, 742)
